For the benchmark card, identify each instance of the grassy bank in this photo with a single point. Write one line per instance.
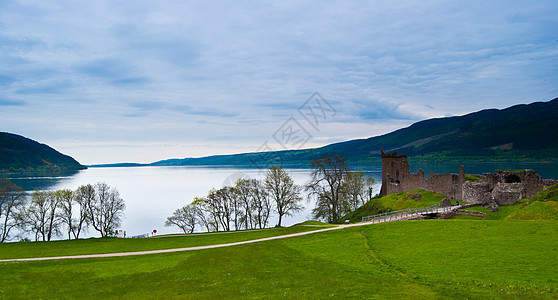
(392, 202)
(412, 259)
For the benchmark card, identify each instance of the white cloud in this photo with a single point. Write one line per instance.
(149, 73)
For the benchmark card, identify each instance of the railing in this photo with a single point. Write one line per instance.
(140, 236)
(400, 214)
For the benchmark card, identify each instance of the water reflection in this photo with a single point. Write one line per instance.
(41, 180)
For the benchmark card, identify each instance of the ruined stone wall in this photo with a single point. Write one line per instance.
(394, 168)
(475, 192)
(501, 187)
(396, 178)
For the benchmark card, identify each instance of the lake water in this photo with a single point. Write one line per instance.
(152, 194)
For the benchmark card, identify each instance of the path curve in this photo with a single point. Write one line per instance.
(172, 250)
(119, 254)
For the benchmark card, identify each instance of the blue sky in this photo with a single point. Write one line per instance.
(140, 81)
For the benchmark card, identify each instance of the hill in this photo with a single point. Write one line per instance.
(521, 132)
(18, 153)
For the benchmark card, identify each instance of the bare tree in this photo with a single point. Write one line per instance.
(65, 198)
(12, 199)
(201, 211)
(83, 195)
(357, 189)
(327, 185)
(41, 215)
(284, 192)
(244, 196)
(219, 207)
(184, 218)
(106, 209)
(261, 205)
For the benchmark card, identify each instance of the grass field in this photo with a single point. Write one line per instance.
(411, 259)
(112, 245)
(513, 253)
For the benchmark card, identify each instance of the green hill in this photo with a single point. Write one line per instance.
(18, 153)
(521, 132)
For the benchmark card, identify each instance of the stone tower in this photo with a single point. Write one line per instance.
(394, 167)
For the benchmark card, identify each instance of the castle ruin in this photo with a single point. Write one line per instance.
(501, 187)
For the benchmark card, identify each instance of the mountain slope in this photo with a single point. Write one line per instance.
(18, 153)
(526, 131)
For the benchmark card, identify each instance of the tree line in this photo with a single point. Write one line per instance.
(249, 204)
(49, 214)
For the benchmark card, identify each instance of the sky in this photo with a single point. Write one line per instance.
(142, 81)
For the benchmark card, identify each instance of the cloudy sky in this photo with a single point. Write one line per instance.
(140, 81)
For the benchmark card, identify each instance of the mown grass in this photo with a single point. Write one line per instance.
(112, 245)
(411, 259)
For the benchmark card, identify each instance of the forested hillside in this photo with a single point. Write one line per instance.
(521, 132)
(18, 153)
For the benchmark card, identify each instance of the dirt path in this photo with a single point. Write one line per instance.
(171, 250)
(200, 247)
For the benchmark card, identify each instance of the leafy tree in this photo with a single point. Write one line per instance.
(106, 210)
(184, 218)
(284, 192)
(327, 185)
(12, 199)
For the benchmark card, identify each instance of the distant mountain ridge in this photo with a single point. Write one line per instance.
(520, 132)
(19, 154)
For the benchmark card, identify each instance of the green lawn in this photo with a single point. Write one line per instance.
(429, 259)
(112, 245)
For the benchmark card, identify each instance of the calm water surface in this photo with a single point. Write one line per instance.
(153, 193)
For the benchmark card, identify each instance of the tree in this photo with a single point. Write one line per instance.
(219, 207)
(357, 189)
(261, 205)
(327, 185)
(41, 215)
(244, 195)
(184, 218)
(66, 200)
(284, 192)
(106, 210)
(12, 199)
(82, 196)
(200, 211)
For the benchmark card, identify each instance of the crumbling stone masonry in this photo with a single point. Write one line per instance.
(502, 187)
(396, 178)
